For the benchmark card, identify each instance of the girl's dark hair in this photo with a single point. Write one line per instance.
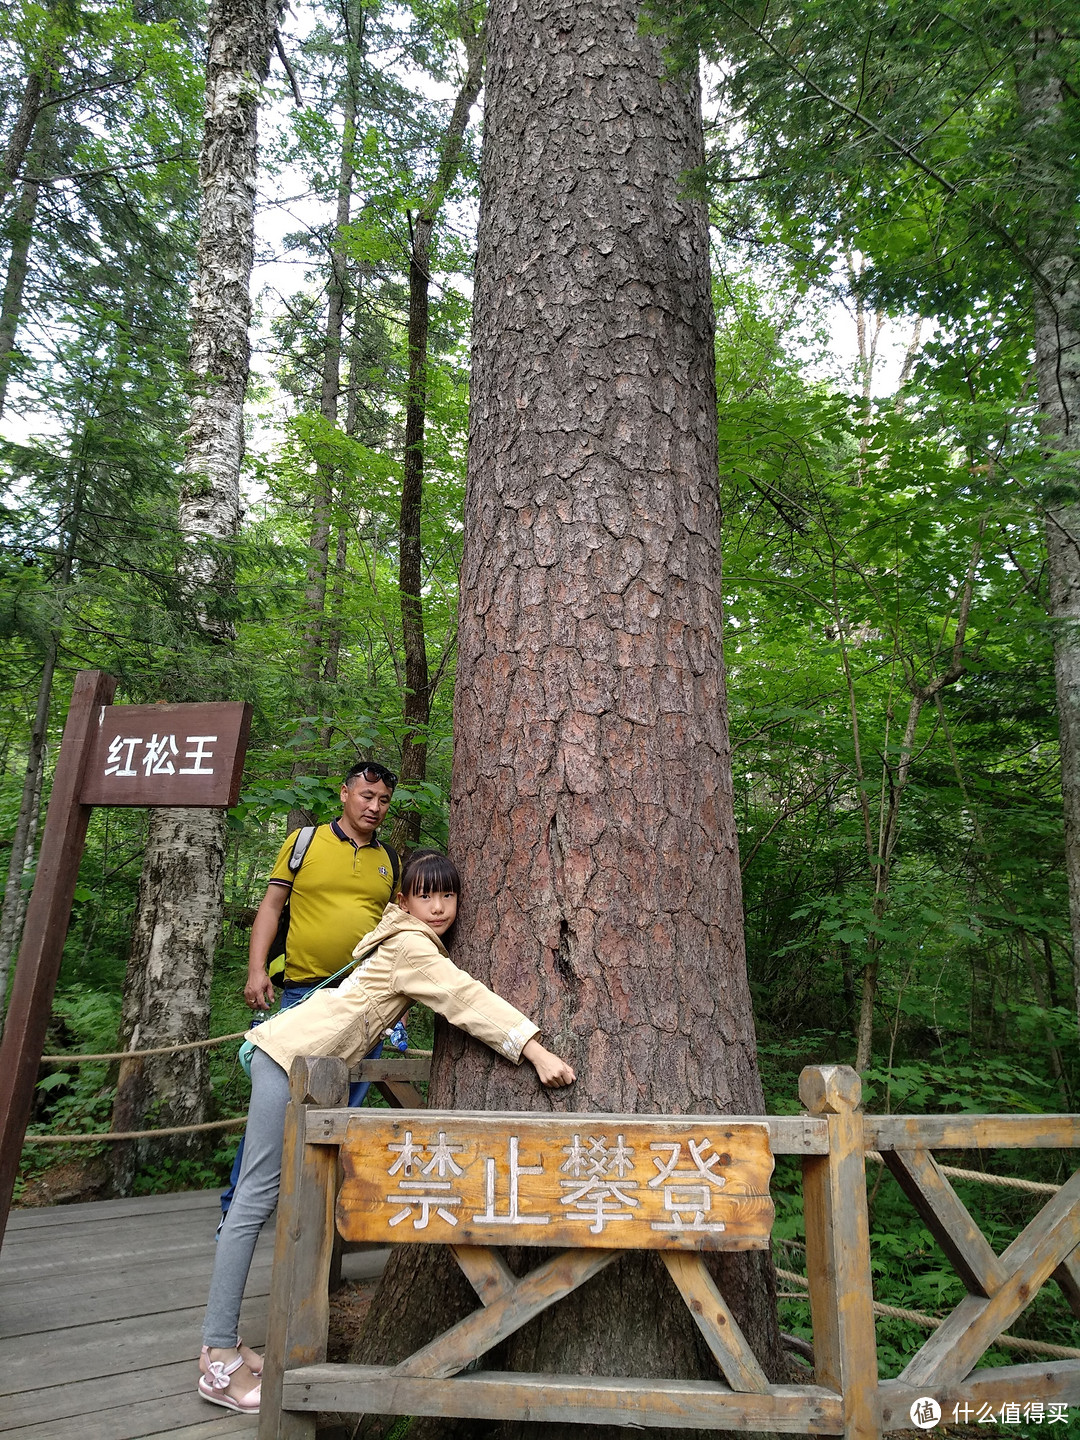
(429, 870)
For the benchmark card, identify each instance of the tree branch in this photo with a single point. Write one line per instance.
(280, 48)
(908, 151)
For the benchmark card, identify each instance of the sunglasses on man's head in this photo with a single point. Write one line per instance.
(377, 772)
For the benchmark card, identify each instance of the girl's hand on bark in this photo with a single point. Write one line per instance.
(550, 1070)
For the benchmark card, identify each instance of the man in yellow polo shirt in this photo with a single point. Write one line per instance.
(336, 896)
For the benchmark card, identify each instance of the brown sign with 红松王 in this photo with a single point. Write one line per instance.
(110, 755)
(167, 755)
(614, 1181)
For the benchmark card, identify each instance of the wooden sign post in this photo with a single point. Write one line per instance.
(110, 755)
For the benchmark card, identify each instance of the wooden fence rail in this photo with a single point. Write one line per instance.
(588, 1187)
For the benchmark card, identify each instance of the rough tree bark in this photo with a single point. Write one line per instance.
(19, 139)
(334, 617)
(1055, 253)
(418, 687)
(592, 809)
(178, 920)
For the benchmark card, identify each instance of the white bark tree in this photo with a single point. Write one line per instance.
(178, 920)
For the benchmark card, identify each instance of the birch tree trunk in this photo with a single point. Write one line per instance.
(592, 810)
(179, 915)
(1055, 247)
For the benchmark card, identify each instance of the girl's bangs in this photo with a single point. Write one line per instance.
(431, 872)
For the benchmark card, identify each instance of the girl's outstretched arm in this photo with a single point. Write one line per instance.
(550, 1070)
(423, 972)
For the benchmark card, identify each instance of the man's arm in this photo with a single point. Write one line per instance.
(259, 990)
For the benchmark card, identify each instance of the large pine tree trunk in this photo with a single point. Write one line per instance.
(592, 809)
(1055, 247)
(181, 897)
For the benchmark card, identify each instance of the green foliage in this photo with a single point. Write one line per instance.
(76, 1099)
(169, 1175)
(850, 527)
(870, 542)
(92, 559)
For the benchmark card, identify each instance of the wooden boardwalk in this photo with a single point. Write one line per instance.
(100, 1309)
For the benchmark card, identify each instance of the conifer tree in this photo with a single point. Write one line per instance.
(591, 810)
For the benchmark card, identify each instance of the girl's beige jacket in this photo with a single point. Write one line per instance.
(411, 963)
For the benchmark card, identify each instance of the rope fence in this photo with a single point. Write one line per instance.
(1008, 1182)
(236, 1123)
(139, 1054)
(175, 1050)
(931, 1322)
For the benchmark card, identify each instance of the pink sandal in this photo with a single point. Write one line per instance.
(249, 1357)
(216, 1386)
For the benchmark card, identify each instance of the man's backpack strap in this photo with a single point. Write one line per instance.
(395, 868)
(275, 955)
(300, 847)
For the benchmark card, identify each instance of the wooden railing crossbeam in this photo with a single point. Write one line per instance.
(391, 1068)
(971, 1132)
(948, 1220)
(788, 1134)
(584, 1400)
(400, 1095)
(1051, 1381)
(474, 1163)
(486, 1271)
(955, 1348)
(1067, 1276)
(738, 1363)
(531, 1295)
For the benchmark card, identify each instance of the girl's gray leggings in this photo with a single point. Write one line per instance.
(254, 1201)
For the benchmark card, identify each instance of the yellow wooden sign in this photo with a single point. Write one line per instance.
(608, 1181)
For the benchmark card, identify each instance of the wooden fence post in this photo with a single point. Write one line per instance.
(303, 1246)
(838, 1250)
